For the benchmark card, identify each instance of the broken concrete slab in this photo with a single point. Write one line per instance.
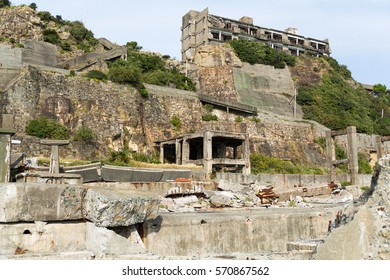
(88, 174)
(226, 185)
(109, 207)
(129, 174)
(186, 200)
(118, 241)
(220, 200)
(30, 202)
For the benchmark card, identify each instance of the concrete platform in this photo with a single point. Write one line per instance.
(229, 232)
(129, 174)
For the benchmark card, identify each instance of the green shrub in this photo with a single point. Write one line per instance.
(96, 74)
(264, 164)
(5, 3)
(45, 16)
(208, 107)
(148, 158)
(176, 122)
(124, 73)
(209, 117)
(84, 134)
(33, 6)
(47, 128)
(255, 119)
(256, 52)
(239, 119)
(66, 46)
(51, 36)
(364, 165)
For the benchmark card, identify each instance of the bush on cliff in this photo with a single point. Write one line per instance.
(84, 134)
(5, 3)
(255, 52)
(47, 128)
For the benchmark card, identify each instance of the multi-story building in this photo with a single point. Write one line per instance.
(202, 28)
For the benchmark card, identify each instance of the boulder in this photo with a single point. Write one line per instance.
(220, 200)
(226, 185)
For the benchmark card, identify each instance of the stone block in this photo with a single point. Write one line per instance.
(118, 241)
(128, 174)
(108, 207)
(39, 202)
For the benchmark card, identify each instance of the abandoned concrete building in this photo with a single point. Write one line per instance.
(202, 28)
(211, 149)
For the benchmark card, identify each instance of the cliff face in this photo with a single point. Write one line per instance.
(116, 112)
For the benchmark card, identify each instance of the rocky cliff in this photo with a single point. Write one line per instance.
(116, 112)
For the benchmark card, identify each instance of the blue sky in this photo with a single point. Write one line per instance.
(358, 31)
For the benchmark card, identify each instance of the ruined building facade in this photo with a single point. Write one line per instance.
(202, 28)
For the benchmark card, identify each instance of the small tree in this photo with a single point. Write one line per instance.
(33, 6)
(5, 3)
(84, 134)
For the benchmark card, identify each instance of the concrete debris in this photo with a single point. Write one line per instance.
(226, 185)
(257, 186)
(107, 207)
(220, 200)
(267, 195)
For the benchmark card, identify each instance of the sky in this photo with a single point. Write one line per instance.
(358, 30)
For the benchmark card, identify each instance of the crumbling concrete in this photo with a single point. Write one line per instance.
(107, 207)
(367, 235)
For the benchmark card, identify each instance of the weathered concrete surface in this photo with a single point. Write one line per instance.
(31, 202)
(129, 174)
(44, 177)
(157, 188)
(107, 207)
(368, 235)
(233, 231)
(42, 238)
(89, 174)
(119, 241)
(172, 174)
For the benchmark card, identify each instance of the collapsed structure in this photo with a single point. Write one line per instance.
(202, 28)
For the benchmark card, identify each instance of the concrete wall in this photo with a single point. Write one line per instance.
(267, 88)
(7, 75)
(10, 57)
(287, 181)
(229, 232)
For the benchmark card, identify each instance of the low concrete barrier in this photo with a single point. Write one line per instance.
(129, 174)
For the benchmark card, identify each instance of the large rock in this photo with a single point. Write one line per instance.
(109, 207)
(31, 202)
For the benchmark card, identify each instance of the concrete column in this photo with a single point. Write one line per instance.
(178, 152)
(54, 157)
(6, 132)
(247, 168)
(330, 155)
(161, 152)
(208, 152)
(379, 146)
(185, 151)
(352, 154)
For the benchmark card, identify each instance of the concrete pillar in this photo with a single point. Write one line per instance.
(330, 155)
(54, 157)
(208, 152)
(352, 154)
(247, 168)
(6, 132)
(185, 151)
(379, 146)
(178, 152)
(161, 152)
